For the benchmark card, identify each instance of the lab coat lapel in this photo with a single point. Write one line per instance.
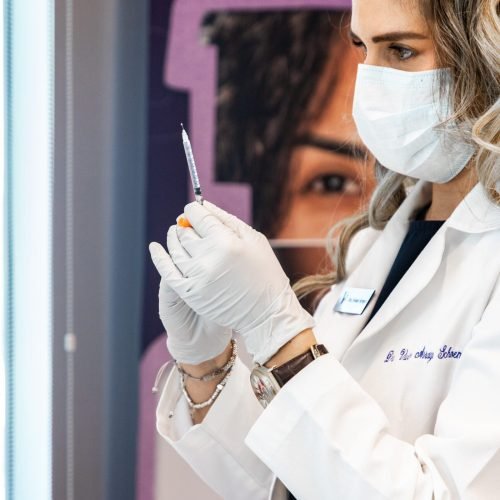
(374, 268)
(410, 285)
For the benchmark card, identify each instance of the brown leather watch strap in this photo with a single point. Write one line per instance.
(286, 371)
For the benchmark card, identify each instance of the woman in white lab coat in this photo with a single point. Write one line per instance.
(391, 390)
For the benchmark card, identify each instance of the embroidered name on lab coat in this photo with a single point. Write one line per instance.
(354, 300)
(404, 354)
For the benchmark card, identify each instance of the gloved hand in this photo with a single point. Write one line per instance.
(228, 273)
(190, 338)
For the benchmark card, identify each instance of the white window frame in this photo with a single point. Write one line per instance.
(29, 171)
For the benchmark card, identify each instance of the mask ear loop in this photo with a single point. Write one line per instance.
(159, 375)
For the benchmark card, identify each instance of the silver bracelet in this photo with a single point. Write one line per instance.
(215, 373)
(197, 406)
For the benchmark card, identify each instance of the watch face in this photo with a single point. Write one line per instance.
(264, 385)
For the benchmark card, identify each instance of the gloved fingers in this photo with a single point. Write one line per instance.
(180, 257)
(195, 246)
(169, 271)
(174, 246)
(163, 262)
(231, 221)
(190, 232)
(205, 223)
(167, 295)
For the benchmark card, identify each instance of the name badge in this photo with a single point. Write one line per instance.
(354, 300)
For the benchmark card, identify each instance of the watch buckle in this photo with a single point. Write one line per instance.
(314, 351)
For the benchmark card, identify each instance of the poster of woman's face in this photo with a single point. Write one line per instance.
(285, 82)
(265, 89)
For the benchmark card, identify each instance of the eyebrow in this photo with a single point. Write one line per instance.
(331, 145)
(395, 36)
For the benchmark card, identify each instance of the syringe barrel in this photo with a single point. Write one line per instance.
(191, 164)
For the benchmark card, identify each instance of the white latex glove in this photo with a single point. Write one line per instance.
(231, 276)
(190, 338)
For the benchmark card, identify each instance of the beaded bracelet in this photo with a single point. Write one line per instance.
(197, 406)
(218, 371)
(210, 400)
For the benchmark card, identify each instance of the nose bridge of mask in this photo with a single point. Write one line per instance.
(388, 91)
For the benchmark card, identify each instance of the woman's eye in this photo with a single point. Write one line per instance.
(402, 53)
(333, 184)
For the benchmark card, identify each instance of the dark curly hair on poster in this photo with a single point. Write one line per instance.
(269, 67)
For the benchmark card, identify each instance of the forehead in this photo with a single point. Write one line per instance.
(372, 17)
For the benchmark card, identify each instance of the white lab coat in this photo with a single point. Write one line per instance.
(407, 407)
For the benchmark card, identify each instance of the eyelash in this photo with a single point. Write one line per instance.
(398, 49)
(320, 185)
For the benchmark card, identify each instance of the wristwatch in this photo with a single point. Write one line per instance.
(266, 382)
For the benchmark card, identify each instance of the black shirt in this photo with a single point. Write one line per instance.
(419, 234)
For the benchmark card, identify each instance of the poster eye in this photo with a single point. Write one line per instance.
(329, 184)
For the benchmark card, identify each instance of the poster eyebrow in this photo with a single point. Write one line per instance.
(342, 148)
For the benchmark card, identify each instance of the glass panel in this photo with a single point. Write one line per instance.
(29, 137)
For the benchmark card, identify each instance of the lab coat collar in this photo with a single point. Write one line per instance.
(476, 213)
(418, 196)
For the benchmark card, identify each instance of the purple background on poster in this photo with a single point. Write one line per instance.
(192, 67)
(182, 88)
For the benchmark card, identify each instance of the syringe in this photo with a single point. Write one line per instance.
(192, 166)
